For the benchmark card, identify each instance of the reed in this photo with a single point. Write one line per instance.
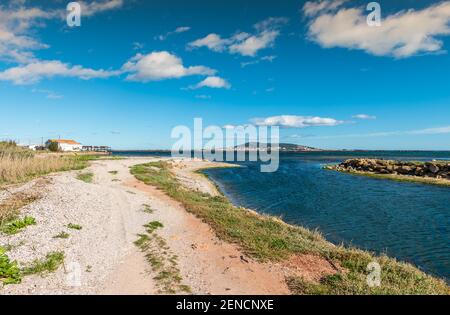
(19, 165)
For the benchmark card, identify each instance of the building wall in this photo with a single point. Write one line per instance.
(70, 147)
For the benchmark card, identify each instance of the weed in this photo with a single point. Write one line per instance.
(86, 177)
(51, 263)
(62, 235)
(74, 226)
(15, 226)
(9, 271)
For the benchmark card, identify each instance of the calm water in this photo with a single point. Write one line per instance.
(408, 221)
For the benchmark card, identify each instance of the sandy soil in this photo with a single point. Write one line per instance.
(102, 259)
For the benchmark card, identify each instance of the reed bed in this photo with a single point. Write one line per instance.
(15, 168)
(19, 164)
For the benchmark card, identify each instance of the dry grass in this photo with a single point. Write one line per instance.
(16, 169)
(19, 165)
(10, 207)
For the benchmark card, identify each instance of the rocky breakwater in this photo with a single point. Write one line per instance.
(431, 170)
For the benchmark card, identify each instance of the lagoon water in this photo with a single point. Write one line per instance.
(404, 220)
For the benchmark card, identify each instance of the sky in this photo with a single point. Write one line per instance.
(135, 69)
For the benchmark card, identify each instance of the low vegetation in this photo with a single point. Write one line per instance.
(51, 263)
(62, 235)
(267, 238)
(163, 262)
(74, 226)
(86, 177)
(16, 225)
(10, 208)
(9, 270)
(147, 209)
(19, 165)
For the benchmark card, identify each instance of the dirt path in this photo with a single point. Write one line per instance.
(102, 259)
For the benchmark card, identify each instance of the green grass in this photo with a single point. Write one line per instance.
(51, 263)
(86, 177)
(162, 261)
(62, 235)
(9, 270)
(147, 209)
(15, 226)
(267, 238)
(74, 226)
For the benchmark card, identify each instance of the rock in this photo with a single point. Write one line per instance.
(433, 168)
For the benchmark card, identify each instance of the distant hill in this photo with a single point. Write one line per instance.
(285, 147)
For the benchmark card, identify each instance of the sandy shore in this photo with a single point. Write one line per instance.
(101, 257)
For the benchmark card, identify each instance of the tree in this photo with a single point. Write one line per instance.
(53, 146)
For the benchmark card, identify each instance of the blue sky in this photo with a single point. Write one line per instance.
(135, 69)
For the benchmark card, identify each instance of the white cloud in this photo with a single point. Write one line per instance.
(178, 30)
(160, 65)
(213, 82)
(34, 72)
(213, 41)
(243, 43)
(48, 94)
(94, 7)
(203, 97)
(427, 131)
(400, 35)
(254, 62)
(431, 131)
(18, 23)
(291, 121)
(364, 117)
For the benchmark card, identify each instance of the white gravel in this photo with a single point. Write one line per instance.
(110, 217)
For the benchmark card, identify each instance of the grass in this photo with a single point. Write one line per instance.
(86, 177)
(51, 263)
(62, 235)
(19, 165)
(147, 209)
(9, 270)
(267, 238)
(74, 226)
(10, 208)
(15, 226)
(163, 262)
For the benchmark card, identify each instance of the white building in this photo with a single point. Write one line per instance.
(66, 145)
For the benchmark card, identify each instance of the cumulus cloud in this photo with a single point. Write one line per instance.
(400, 35)
(213, 82)
(243, 43)
(291, 121)
(34, 72)
(161, 65)
(364, 117)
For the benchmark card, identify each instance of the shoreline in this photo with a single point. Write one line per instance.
(212, 258)
(335, 257)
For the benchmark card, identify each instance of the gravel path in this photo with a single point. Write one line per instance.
(101, 257)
